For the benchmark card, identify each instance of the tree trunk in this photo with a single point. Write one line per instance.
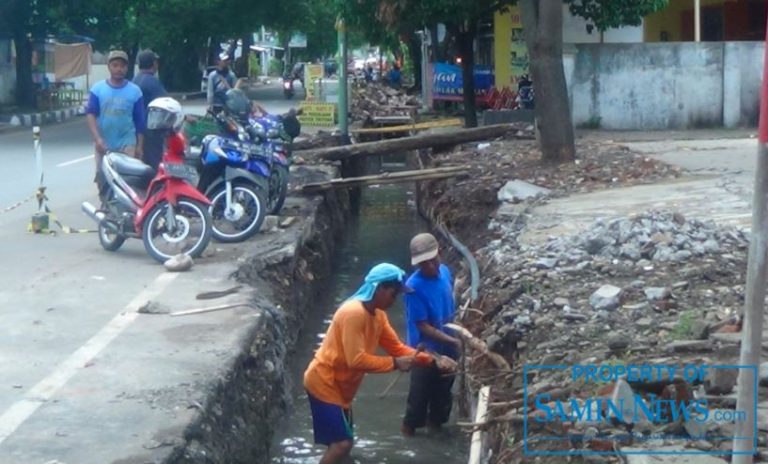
(404, 144)
(133, 52)
(414, 49)
(25, 90)
(245, 68)
(466, 41)
(543, 29)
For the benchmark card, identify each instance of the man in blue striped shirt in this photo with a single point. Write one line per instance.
(115, 114)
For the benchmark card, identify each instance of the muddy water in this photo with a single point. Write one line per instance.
(381, 232)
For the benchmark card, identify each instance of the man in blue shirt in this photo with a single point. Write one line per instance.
(151, 88)
(428, 308)
(115, 114)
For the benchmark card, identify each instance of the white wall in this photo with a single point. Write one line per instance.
(575, 31)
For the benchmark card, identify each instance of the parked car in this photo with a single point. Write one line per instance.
(204, 80)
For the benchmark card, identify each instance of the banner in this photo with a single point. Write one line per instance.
(448, 84)
(312, 73)
(71, 60)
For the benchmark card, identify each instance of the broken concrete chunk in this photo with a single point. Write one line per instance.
(515, 191)
(657, 293)
(689, 346)
(720, 381)
(179, 263)
(606, 298)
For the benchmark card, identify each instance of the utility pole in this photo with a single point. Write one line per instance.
(745, 438)
(343, 105)
(425, 82)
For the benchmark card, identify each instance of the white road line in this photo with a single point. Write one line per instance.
(74, 161)
(21, 410)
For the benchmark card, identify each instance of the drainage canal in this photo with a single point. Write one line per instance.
(380, 232)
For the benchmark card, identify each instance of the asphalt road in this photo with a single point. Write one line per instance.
(68, 322)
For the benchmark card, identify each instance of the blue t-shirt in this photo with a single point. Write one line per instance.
(119, 113)
(431, 302)
(150, 86)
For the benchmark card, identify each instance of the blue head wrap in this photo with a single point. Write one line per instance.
(379, 273)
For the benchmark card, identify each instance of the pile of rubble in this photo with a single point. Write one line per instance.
(374, 99)
(655, 288)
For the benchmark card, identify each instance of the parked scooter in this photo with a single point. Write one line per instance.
(162, 208)
(234, 175)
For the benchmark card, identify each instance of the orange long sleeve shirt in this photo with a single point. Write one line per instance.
(347, 353)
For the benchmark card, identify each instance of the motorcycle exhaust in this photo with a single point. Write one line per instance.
(92, 213)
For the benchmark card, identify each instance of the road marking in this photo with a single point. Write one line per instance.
(38, 395)
(74, 161)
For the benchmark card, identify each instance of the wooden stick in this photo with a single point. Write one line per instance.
(410, 127)
(386, 178)
(209, 309)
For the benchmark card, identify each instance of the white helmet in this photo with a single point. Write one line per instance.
(165, 113)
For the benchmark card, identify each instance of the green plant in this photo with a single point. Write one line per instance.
(275, 67)
(683, 328)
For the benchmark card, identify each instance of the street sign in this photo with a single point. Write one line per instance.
(312, 73)
(317, 114)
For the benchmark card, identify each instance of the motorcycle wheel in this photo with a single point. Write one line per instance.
(110, 240)
(278, 189)
(191, 236)
(252, 202)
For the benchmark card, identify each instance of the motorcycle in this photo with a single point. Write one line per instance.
(288, 87)
(234, 175)
(276, 132)
(161, 208)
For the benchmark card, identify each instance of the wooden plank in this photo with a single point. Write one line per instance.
(410, 127)
(405, 144)
(386, 178)
(477, 448)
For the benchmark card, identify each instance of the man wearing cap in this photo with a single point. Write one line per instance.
(348, 352)
(220, 80)
(151, 88)
(428, 308)
(115, 114)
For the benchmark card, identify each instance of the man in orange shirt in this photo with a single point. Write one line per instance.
(358, 327)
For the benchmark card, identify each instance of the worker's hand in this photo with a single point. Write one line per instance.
(423, 359)
(404, 363)
(101, 147)
(445, 364)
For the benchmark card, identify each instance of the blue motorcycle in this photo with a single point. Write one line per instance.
(234, 175)
(271, 131)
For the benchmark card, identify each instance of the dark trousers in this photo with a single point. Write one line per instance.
(429, 398)
(154, 141)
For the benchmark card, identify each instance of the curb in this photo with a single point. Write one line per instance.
(41, 118)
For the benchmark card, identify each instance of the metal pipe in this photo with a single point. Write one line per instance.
(745, 435)
(343, 107)
(697, 20)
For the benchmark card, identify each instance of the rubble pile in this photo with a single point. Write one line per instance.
(657, 288)
(373, 100)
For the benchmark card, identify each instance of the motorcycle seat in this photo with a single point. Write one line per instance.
(129, 166)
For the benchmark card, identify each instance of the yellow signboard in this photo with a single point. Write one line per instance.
(312, 73)
(318, 114)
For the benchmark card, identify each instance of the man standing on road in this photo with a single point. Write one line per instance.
(115, 114)
(347, 353)
(220, 80)
(428, 308)
(151, 88)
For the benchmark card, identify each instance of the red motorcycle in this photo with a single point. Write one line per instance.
(163, 208)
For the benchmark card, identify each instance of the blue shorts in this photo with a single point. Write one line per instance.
(331, 422)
